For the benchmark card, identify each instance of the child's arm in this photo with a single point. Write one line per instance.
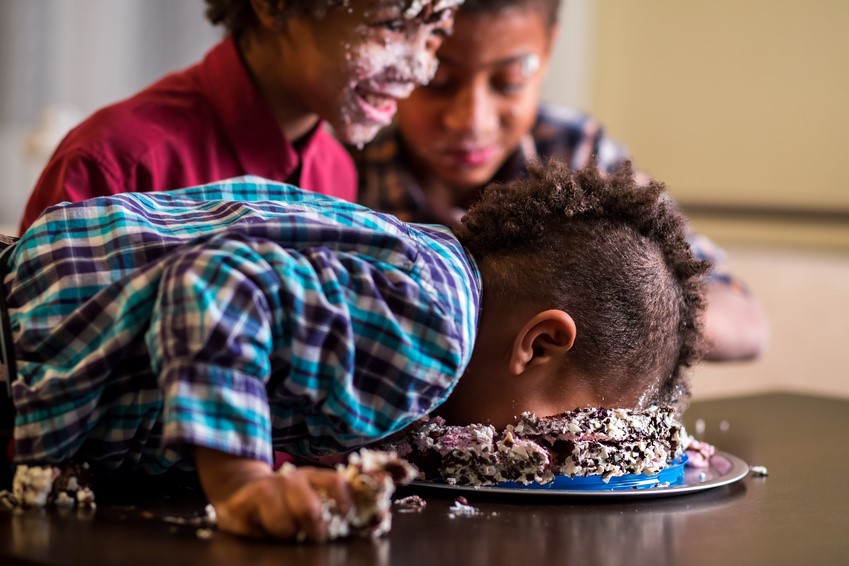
(736, 327)
(250, 499)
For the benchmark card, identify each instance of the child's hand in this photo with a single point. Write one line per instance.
(252, 500)
(285, 506)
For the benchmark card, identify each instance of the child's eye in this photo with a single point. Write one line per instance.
(441, 32)
(396, 25)
(446, 16)
(508, 88)
(443, 22)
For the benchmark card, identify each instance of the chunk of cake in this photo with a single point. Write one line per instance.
(583, 442)
(372, 476)
(48, 486)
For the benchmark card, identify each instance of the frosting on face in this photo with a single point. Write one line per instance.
(384, 73)
(530, 64)
(394, 52)
(416, 7)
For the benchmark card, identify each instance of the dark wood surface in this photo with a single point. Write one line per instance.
(799, 514)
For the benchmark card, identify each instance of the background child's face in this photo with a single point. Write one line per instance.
(357, 61)
(463, 125)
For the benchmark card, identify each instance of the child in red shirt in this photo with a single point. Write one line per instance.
(258, 101)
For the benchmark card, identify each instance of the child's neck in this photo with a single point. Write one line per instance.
(266, 67)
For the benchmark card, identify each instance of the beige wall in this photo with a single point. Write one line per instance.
(745, 102)
(806, 296)
(729, 101)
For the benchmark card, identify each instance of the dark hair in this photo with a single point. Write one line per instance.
(238, 15)
(612, 254)
(551, 7)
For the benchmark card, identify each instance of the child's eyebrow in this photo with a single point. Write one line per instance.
(503, 62)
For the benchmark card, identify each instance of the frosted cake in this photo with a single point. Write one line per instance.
(584, 442)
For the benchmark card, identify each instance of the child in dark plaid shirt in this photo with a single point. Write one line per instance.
(559, 290)
(480, 120)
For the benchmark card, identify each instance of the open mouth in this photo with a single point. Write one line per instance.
(376, 106)
(378, 98)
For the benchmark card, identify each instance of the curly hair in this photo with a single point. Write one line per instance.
(238, 16)
(612, 254)
(551, 7)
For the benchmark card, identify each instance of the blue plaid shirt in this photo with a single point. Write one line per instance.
(244, 316)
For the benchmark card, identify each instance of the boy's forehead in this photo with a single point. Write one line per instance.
(414, 8)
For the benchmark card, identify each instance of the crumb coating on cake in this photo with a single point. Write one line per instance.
(583, 442)
(36, 487)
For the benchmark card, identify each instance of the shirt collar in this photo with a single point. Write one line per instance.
(248, 120)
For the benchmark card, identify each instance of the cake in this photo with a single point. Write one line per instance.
(372, 476)
(35, 487)
(584, 442)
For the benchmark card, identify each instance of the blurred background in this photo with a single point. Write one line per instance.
(740, 106)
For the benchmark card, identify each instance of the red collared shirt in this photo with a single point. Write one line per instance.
(200, 125)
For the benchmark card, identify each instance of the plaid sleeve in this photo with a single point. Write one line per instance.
(378, 352)
(321, 351)
(210, 342)
(704, 248)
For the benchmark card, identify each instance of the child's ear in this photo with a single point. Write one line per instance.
(545, 337)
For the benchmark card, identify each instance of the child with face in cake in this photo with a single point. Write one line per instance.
(207, 327)
(258, 102)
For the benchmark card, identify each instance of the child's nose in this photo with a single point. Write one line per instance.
(471, 110)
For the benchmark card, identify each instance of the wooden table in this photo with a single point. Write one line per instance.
(799, 514)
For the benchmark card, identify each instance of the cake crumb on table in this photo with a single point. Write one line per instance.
(36, 487)
(412, 503)
(759, 471)
(461, 509)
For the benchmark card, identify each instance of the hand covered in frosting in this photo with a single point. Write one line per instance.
(252, 500)
(285, 506)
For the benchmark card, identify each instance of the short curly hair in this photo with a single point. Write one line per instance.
(238, 16)
(551, 7)
(612, 254)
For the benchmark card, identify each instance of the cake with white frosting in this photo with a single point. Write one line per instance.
(584, 442)
(35, 487)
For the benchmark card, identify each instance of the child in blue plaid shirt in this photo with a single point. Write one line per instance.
(207, 327)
